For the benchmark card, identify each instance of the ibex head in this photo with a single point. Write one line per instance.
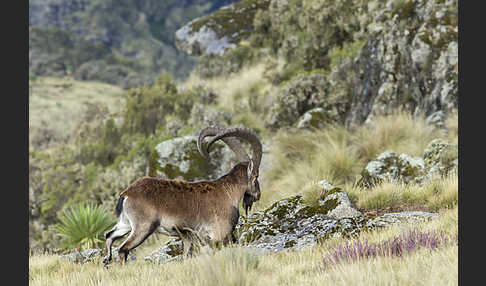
(252, 193)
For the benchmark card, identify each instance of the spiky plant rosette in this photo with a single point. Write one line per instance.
(83, 226)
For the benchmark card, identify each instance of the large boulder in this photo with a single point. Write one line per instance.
(179, 158)
(391, 166)
(221, 30)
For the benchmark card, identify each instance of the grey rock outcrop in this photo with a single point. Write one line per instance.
(410, 61)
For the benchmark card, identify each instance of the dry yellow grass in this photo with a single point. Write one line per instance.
(238, 266)
(433, 195)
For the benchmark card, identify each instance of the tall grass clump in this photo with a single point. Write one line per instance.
(401, 132)
(83, 226)
(303, 158)
(433, 195)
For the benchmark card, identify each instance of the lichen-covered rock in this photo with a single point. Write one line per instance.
(301, 94)
(179, 158)
(292, 224)
(215, 33)
(398, 168)
(344, 208)
(441, 158)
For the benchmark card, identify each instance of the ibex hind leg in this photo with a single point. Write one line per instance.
(117, 232)
(139, 233)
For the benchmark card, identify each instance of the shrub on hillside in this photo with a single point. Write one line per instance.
(147, 107)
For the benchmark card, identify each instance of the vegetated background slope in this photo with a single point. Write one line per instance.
(370, 75)
(125, 43)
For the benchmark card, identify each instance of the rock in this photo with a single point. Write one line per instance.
(398, 168)
(205, 115)
(314, 118)
(168, 252)
(343, 209)
(179, 158)
(221, 30)
(400, 217)
(91, 255)
(202, 41)
(293, 224)
(303, 93)
(441, 158)
(437, 119)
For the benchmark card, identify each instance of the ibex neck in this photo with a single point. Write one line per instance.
(236, 181)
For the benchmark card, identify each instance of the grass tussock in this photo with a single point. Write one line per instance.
(440, 193)
(399, 131)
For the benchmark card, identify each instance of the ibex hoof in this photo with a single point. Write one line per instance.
(106, 260)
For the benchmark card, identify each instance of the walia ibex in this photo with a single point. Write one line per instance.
(197, 212)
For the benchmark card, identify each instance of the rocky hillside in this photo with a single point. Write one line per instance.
(125, 43)
(354, 59)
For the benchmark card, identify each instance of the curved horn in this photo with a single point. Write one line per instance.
(246, 134)
(233, 143)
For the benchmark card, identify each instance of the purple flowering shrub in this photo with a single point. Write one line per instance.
(395, 247)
